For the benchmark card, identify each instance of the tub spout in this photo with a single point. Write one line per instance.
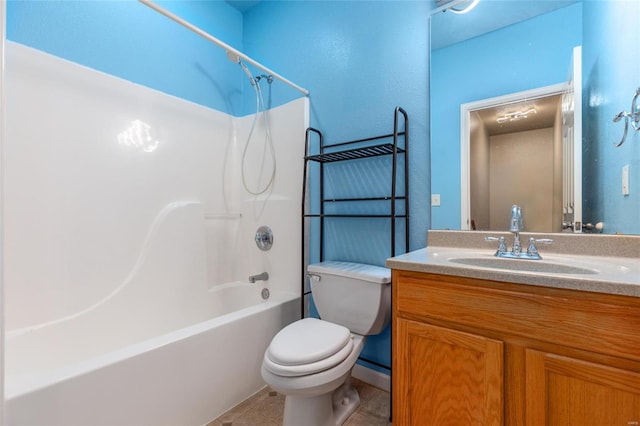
(260, 277)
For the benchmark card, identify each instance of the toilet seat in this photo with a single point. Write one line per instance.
(307, 346)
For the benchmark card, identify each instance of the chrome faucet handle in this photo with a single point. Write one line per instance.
(532, 250)
(541, 240)
(502, 246)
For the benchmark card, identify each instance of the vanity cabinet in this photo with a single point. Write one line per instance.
(479, 352)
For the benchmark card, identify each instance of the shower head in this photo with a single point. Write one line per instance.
(233, 57)
(247, 72)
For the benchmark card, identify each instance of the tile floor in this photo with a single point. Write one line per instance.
(266, 408)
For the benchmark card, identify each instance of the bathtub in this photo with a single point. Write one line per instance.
(186, 376)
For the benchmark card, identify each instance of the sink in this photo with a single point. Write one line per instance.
(523, 265)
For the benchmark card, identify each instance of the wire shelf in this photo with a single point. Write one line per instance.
(354, 154)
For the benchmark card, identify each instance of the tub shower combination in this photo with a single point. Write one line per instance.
(179, 337)
(160, 349)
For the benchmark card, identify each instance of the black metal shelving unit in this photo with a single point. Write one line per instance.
(394, 145)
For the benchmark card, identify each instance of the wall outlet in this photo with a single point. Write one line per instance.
(625, 180)
(435, 200)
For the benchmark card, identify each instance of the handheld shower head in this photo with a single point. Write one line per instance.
(235, 58)
(248, 73)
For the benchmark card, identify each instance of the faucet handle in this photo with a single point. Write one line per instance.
(532, 250)
(502, 246)
(541, 240)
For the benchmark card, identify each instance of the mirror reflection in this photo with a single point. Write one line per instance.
(532, 50)
(515, 157)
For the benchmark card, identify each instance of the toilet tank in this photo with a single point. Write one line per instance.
(355, 295)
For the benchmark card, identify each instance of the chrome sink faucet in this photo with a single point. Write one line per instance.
(516, 225)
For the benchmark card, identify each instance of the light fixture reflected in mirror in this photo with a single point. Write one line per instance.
(516, 115)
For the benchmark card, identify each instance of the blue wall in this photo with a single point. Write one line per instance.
(359, 60)
(131, 41)
(611, 75)
(484, 67)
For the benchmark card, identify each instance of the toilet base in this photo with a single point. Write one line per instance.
(329, 409)
(345, 401)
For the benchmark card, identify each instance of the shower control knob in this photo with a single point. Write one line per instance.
(264, 238)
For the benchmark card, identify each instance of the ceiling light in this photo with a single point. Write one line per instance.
(464, 7)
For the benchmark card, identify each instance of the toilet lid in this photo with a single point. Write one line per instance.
(308, 346)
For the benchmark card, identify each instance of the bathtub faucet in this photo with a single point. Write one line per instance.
(260, 277)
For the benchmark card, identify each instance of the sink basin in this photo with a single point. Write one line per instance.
(523, 265)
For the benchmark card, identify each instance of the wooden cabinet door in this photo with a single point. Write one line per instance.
(445, 377)
(566, 391)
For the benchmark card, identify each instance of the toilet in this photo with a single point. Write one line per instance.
(310, 360)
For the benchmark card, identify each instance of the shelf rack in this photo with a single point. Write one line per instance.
(397, 148)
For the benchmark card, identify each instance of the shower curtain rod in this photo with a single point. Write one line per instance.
(221, 44)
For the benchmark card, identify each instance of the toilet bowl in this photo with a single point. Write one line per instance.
(310, 360)
(309, 386)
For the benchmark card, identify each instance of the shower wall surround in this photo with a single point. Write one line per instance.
(115, 115)
(90, 162)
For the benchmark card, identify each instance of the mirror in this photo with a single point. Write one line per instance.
(533, 49)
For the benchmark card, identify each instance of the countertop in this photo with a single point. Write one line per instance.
(616, 274)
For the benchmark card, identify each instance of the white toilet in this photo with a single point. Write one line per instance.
(310, 360)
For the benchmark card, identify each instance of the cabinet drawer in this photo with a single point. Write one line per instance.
(600, 323)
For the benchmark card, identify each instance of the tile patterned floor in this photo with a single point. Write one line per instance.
(267, 406)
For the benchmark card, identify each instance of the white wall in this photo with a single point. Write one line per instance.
(558, 165)
(479, 168)
(2, 121)
(90, 162)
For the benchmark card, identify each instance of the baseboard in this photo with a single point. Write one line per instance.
(372, 377)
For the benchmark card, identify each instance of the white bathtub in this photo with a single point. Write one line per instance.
(185, 376)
